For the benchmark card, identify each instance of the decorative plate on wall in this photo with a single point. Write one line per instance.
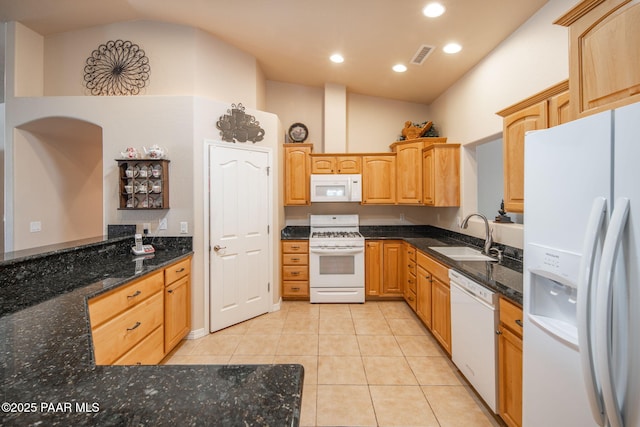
(298, 132)
(117, 68)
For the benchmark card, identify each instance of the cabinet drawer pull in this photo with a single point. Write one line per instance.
(295, 289)
(135, 294)
(295, 273)
(410, 298)
(410, 281)
(295, 247)
(136, 326)
(295, 259)
(170, 291)
(180, 271)
(519, 322)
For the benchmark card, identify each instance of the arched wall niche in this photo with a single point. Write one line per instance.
(58, 182)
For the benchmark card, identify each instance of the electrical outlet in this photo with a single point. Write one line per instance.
(162, 224)
(146, 227)
(35, 226)
(184, 227)
(402, 217)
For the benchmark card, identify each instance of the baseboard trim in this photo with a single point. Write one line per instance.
(195, 334)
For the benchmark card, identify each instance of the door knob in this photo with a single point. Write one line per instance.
(218, 247)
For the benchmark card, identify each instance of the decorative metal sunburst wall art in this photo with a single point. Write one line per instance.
(117, 68)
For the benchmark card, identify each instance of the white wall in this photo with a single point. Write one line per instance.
(534, 57)
(183, 61)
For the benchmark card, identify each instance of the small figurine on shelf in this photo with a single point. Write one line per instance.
(502, 215)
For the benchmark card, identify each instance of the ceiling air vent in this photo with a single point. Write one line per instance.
(421, 54)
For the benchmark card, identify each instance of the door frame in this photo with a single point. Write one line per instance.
(208, 144)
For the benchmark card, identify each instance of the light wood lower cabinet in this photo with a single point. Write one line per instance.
(409, 277)
(434, 301)
(295, 269)
(383, 268)
(140, 322)
(510, 363)
(177, 303)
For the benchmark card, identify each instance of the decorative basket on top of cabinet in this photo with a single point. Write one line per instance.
(144, 184)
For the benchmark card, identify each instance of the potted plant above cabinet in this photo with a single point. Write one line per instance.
(144, 184)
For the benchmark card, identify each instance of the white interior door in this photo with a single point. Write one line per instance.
(239, 218)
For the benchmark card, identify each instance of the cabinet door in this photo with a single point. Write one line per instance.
(441, 315)
(373, 268)
(409, 173)
(604, 58)
(323, 165)
(515, 127)
(349, 164)
(379, 179)
(392, 269)
(177, 313)
(296, 175)
(510, 377)
(428, 175)
(559, 111)
(423, 306)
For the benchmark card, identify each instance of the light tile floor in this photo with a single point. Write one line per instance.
(371, 364)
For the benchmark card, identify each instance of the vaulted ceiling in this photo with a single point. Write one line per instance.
(293, 39)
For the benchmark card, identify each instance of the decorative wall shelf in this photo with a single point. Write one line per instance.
(144, 184)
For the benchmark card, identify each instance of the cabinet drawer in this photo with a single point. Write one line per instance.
(117, 336)
(511, 316)
(295, 272)
(295, 259)
(177, 271)
(149, 351)
(411, 253)
(411, 267)
(295, 288)
(411, 283)
(410, 298)
(295, 247)
(106, 306)
(437, 269)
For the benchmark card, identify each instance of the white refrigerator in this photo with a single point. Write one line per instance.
(581, 349)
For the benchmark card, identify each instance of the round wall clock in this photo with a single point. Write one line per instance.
(298, 132)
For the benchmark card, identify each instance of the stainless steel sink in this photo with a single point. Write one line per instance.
(462, 253)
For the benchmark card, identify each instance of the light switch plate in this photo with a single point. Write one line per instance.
(184, 227)
(35, 226)
(162, 225)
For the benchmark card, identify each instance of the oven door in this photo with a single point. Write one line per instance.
(336, 267)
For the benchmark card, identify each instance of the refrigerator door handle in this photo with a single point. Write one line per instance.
(586, 296)
(604, 316)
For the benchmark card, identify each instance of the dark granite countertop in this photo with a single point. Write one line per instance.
(48, 374)
(504, 277)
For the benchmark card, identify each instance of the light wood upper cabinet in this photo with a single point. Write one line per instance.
(379, 179)
(327, 164)
(296, 174)
(604, 55)
(441, 175)
(515, 127)
(409, 173)
(548, 108)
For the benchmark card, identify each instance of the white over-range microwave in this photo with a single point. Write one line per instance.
(336, 188)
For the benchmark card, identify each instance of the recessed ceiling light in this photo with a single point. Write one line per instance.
(399, 68)
(452, 48)
(433, 10)
(337, 58)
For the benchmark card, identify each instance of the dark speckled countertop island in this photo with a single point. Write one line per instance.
(503, 277)
(46, 357)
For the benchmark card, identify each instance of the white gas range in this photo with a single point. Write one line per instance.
(336, 259)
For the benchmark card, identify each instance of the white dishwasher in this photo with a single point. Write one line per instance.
(474, 321)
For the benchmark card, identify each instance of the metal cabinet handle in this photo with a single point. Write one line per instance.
(295, 259)
(519, 322)
(295, 247)
(170, 291)
(498, 332)
(295, 289)
(218, 247)
(134, 326)
(182, 269)
(295, 273)
(135, 294)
